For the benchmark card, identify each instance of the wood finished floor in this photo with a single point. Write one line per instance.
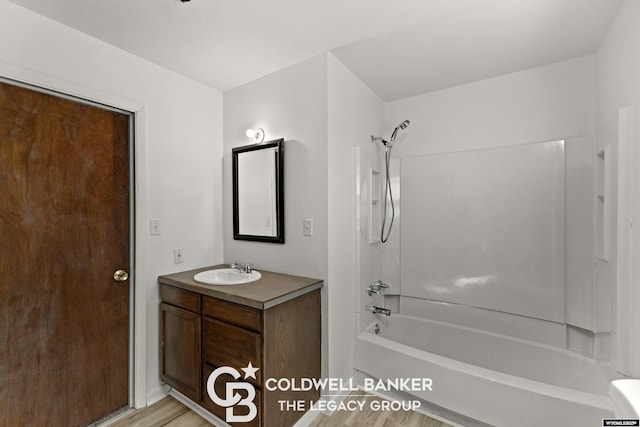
(167, 412)
(370, 418)
(170, 413)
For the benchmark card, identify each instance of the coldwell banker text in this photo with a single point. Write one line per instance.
(375, 404)
(331, 385)
(336, 385)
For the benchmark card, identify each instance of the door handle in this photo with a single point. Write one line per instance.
(120, 276)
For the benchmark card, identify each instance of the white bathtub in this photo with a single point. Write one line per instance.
(491, 378)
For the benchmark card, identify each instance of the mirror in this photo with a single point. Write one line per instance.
(258, 192)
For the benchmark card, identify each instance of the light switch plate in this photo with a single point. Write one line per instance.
(178, 256)
(154, 227)
(307, 227)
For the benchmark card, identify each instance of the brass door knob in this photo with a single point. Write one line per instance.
(120, 276)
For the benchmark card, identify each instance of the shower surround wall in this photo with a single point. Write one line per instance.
(485, 228)
(550, 103)
(619, 87)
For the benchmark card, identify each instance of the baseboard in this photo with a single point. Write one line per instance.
(157, 394)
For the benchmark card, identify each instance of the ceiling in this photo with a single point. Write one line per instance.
(399, 48)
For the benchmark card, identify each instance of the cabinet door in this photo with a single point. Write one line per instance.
(229, 345)
(180, 360)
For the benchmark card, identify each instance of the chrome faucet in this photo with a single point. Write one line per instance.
(379, 310)
(374, 288)
(242, 268)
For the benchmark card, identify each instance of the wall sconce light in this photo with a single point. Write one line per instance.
(256, 134)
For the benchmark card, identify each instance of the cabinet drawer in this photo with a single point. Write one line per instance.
(229, 345)
(236, 314)
(180, 298)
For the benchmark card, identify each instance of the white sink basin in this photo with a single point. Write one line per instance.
(226, 276)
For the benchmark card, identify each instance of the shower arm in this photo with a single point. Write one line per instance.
(378, 139)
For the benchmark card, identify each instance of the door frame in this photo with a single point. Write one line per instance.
(138, 207)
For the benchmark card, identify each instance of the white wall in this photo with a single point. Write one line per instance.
(290, 104)
(536, 105)
(547, 103)
(355, 113)
(618, 65)
(178, 143)
(322, 111)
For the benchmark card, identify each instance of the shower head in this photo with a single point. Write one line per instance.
(402, 126)
(389, 143)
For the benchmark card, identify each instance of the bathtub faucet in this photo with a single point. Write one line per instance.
(374, 288)
(379, 310)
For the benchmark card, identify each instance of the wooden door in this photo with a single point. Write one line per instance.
(64, 230)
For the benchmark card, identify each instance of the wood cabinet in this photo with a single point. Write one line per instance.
(281, 337)
(180, 360)
(180, 340)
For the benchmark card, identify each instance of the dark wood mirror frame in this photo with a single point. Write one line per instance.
(278, 144)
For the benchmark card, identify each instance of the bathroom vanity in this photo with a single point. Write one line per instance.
(273, 324)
